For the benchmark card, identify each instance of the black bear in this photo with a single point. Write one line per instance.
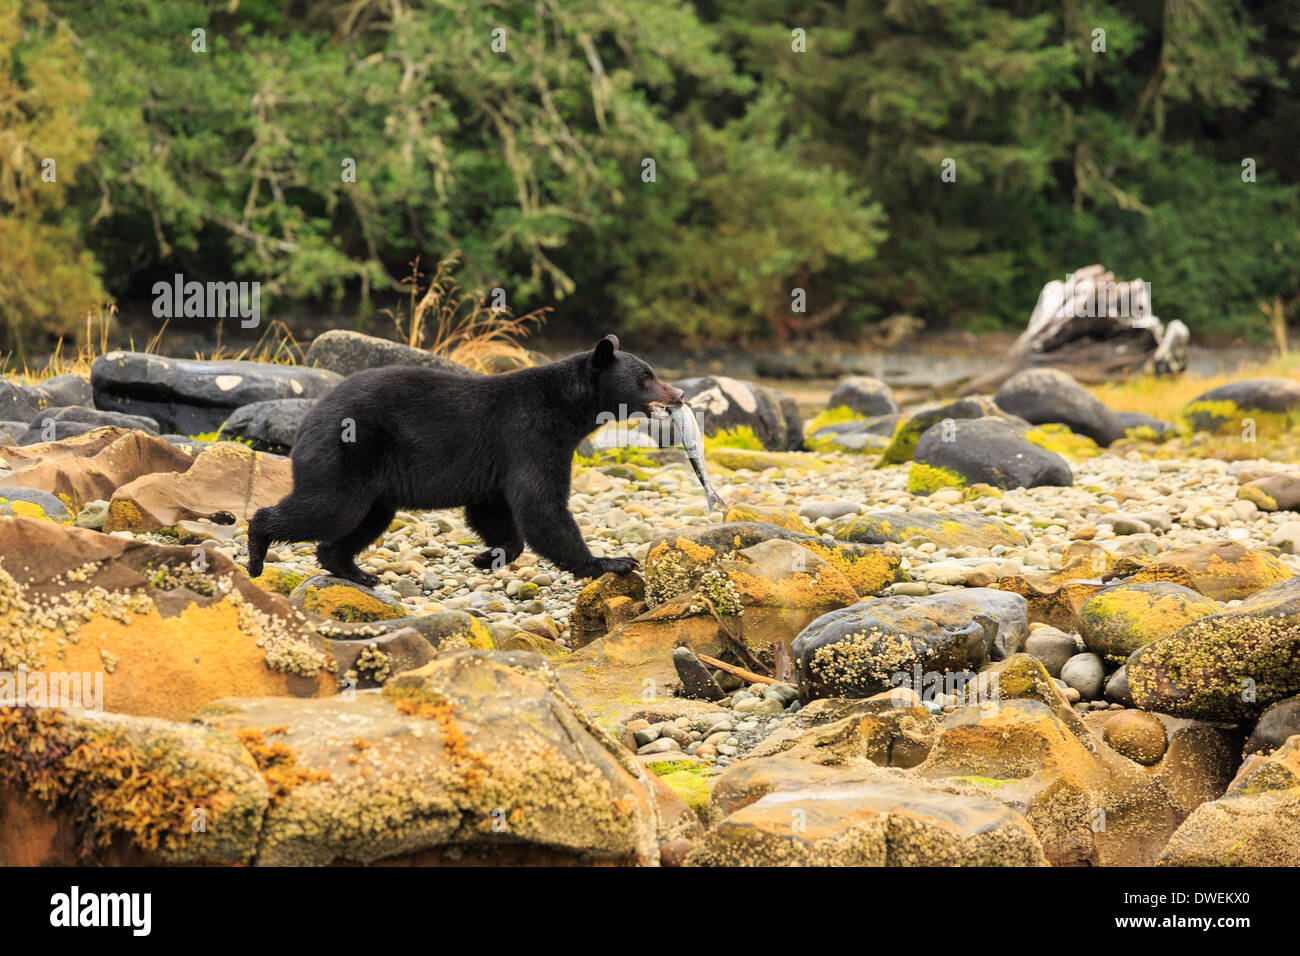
(501, 446)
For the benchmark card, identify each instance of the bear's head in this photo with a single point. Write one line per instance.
(622, 379)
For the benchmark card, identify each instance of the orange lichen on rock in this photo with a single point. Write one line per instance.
(277, 762)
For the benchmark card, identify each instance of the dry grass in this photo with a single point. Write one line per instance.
(454, 323)
(276, 346)
(1165, 398)
(461, 326)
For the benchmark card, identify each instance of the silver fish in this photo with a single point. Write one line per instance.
(688, 429)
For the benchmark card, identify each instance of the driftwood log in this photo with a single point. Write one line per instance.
(1095, 328)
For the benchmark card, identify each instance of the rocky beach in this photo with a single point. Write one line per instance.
(1018, 628)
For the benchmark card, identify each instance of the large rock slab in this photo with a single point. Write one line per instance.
(194, 396)
(890, 729)
(167, 629)
(743, 584)
(58, 423)
(913, 642)
(1046, 395)
(983, 451)
(91, 466)
(344, 351)
(722, 404)
(226, 484)
(109, 789)
(475, 757)
(856, 819)
(1227, 666)
(1222, 570)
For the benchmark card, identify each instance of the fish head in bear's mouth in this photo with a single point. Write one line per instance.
(672, 398)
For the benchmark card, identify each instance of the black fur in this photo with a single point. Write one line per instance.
(501, 446)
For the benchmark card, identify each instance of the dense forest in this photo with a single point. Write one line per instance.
(681, 167)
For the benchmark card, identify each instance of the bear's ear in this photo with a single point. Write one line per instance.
(603, 356)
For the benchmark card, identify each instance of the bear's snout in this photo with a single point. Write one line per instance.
(668, 395)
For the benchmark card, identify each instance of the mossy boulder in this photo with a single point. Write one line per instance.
(1280, 492)
(279, 579)
(1046, 395)
(1119, 620)
(952, 529)
(603, 604)
(168, 628)
(445, 630)
(677, 560)
(908, 432)
(914, 642)
(781, 517)
(1061, 441)
(985, 451)
(1227, 666)
(723, 404)
(1058, 602)
(1273, 404)
(842, 429)
(1256, 823)
(33, 503)
(865, 395)
(778, 587)
(343, 600)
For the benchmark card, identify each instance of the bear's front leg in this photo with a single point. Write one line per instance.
(550, 530)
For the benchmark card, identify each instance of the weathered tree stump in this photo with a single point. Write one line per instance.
(1095, 328)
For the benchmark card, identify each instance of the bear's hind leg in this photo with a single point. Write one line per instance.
(495, 525)
(338, 556)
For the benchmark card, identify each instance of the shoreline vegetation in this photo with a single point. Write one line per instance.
(719, 177)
